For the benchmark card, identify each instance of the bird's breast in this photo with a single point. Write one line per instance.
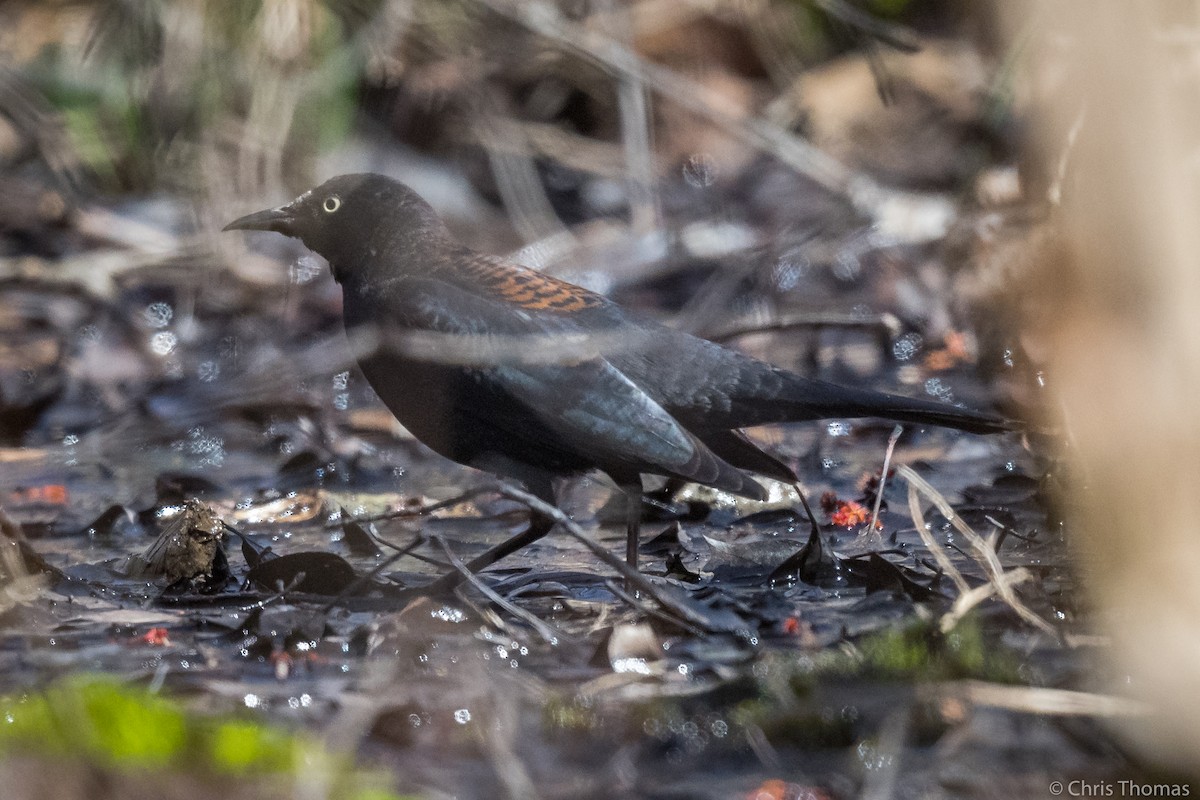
(423, 396)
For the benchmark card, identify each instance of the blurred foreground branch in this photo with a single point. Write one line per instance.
(1127, 348)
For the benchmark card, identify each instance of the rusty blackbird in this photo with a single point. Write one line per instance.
(503, 368)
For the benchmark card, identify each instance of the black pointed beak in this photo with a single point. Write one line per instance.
(279, 220)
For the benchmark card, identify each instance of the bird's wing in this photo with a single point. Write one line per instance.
(607, 417)
(554, 368)
(526, 289)
(501, 312)
(712, 388)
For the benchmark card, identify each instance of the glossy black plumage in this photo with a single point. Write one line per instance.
(503, 368)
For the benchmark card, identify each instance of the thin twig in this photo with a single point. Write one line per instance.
(861, 190)
(665, 596)
(548, 633)
(1006, 530)
(973, 597)
(406, 550)
(421, 511)
(887, 460)
(516, 175)
(983, 554)
(1037, 699)
(931, 544)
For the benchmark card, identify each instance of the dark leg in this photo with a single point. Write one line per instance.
(811, 559)
(814, 527)
(539, 526)
(633, 521)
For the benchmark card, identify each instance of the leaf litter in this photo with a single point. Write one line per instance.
(202, 497)
(322, 602)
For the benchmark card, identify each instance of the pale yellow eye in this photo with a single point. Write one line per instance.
(332, 204)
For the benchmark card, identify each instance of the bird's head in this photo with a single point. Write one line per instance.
(351, 220)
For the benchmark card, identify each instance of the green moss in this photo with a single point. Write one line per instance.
(899, 653)
(126, 728)
(805, 727)
(920, 651)
(238, 746)
(97, 719)
(114, 726)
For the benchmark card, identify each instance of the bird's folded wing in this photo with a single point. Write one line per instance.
(553, 370)
(607, 417)
(440, 319)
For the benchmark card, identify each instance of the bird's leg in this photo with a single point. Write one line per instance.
(541, 486)
(810, 559)
(814, 527)
(539, 526)
(633, 521)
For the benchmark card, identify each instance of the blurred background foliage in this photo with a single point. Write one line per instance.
(724, 163)
(720, 162)
(217, 100)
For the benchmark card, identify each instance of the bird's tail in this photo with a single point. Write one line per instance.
(806, 399)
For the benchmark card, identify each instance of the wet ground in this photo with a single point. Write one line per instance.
(741, 672)
(208, 501)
